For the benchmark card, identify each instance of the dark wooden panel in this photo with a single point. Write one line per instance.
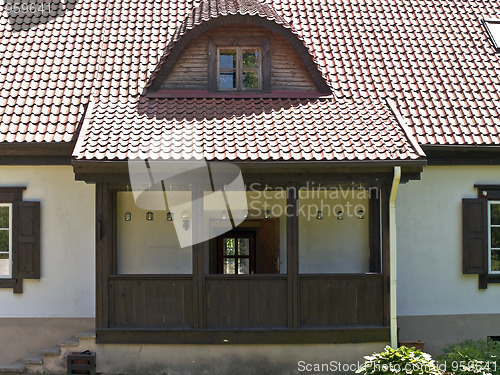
(245, 301)
(148, 302)
(475, 236)
(341, 300)
(242, 336)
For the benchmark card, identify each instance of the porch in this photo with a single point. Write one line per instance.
(306, 301)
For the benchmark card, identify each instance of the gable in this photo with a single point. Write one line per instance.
(191, 70)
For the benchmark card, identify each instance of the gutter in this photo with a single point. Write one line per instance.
(392, 258)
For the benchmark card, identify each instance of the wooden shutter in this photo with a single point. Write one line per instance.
(475, 236)
(26, 240)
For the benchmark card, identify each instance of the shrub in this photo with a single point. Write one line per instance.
(403, 360)
(472, 357)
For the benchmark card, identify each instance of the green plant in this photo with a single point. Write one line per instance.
(471, 357)
(403, 360)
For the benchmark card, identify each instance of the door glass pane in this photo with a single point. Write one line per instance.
(227, 80)
(495, 214)
(4, 240)
(250, 80)
(229, 246)
(495, 260)
(250, 58)
(4, 265)
(227, 59)
(243, 246)
(229, 264)
(495, 237)
(243, 266)
(4, 217)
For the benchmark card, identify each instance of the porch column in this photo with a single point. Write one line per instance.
(198, 272)
(292, 254)
(393, 253)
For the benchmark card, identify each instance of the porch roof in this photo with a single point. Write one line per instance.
(245, 129)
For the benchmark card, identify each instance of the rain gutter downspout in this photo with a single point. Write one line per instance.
(392, 258)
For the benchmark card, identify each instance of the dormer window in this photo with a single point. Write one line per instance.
(239, 69)
(493, 29)
(239, 65)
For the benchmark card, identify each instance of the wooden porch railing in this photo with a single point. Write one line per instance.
(246, 301)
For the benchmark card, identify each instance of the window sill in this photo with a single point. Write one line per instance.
(15, 284)
(484, 280)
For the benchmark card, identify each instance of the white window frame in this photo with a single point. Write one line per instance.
(239, 68)
(9, 276)
(489, 236)
(492, 26)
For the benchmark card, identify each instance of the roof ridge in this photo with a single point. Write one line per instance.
(402, 122)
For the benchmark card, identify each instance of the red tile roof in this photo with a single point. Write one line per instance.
(263, 129)
(47, 68)
(432, 56)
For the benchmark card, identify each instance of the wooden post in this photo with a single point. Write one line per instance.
(292, 252)
(198, 269)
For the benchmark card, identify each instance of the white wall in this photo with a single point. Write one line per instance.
(150, 247)
(67, 286)
(331, 245)
(429, 230)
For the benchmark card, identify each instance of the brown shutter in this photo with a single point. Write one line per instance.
(26, 240)
(475, 236)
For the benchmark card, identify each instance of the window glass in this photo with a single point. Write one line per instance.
(227, 59)
(227, 81)
(4, 217)
(494, 29)
(495, 260)
(495, 214)
(243, 246)
(229, 266)
(494, 237)
(229, 246)
(5, 240)
(250, 59)
(243, 266)
(250, 80)
(227, 69)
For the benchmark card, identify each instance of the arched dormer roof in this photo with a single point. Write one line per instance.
(215, 13)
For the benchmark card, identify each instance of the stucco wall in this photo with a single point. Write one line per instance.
(429, 230)
(66, 287)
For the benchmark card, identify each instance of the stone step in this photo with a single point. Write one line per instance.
(50, 360)
(55, 350)
(14, 368)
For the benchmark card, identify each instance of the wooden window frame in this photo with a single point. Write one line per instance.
(25, 247)
(264, 46)
(251, 254)
(239, 68)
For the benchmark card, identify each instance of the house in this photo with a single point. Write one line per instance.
(248, 186)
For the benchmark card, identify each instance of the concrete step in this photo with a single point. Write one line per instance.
(51, 360)
(14, 368)
(34, 364)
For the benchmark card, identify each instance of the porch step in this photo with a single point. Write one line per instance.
(51, 360)
(14, 368)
